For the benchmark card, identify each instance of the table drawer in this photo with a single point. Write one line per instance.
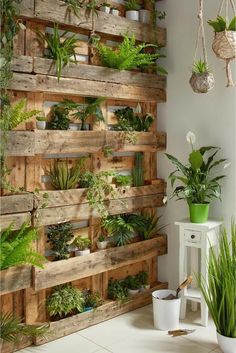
(192, 236)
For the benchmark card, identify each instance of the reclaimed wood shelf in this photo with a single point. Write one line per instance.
(15, 278)
(105, 312)
(59, 272)
(31, 143)
(53, 11)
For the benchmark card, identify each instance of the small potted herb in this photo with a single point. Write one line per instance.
(105, 7)
(91, 300)
(102, 242)
(117, 290)
(115, 11)
(82, 245)
(202, 80)
(124, 180)
(143, 280)
(132, 10)
(133, 285)
(41, 122)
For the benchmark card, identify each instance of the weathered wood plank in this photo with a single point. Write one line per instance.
(23, 342)
(17, 219)
(72, 86)
(105, 312)
(58, 272)
(51, 10)
(99, 73)
(20, 143)
(15, 278)
(16, 203)
(62, 214)
(23, 64)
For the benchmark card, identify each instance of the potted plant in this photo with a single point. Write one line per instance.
(115, 11)
(133, 285)
(59, 236)
(198, 186)
(65, 301)
(144, 16)
(82, 245)
(219, 289)
(105, 7)
(117, 290)
(224, 43)
(41, 122)
(202, 80)
(91, 300)
(59, 118)
(102, 242)
(132, 10)
(143, 280)
(123, 180)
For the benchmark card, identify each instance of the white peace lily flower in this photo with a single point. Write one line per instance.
(164, 200)
(227, 165)
(22, 26)
(138, 109)
(191, 137)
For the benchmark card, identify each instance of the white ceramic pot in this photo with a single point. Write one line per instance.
(165, 312)
(41, 125)
(132, 15)
(82, 252)
(145, 287)
(133, 292)
(102, 244)
(227, 344)
(73, 127)
(115, 12)
(144, 16)
(105, 9)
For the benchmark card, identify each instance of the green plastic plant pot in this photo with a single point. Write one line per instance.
(199, 212)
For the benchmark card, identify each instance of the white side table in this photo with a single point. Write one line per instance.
(195, 236)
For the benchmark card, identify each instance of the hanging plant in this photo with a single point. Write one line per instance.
(224, 43)
(201, 80)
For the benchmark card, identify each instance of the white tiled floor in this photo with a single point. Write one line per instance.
(134, 333)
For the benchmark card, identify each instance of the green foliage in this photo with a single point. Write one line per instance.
(64, 177)
(91, 108)
(59, 118)
(101, 238)
(200, 67)
(132, 5)
(127, 55)
(138, 170)
(92, 299)
(12, 329)
(123, 180)
(16, 249)
(220, 24)
(132, 282)
(122, 227)
(60, 49)
(73, 7)
(82, 243)
(65, 300)
(142, 278)
(152, 227)
(59, 236)
(128, 121)
(98, 190)
(117, 290)
(199, 185)
(220, 288)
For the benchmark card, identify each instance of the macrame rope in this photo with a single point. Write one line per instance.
(201, 34)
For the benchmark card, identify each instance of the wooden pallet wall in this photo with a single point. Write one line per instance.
(31, 151)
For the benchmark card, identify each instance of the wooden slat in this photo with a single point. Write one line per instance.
(20, 143)
(98, 73)
(83, 212)
(51, 10)
(16, 203)
(8, 347)
(105, 312)
(17, 219)
(15, 278)
(22, 64)
(58, 272)
(72, 86)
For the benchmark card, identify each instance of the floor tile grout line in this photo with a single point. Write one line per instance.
(88, 339)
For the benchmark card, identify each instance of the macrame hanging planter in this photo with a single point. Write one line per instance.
(224, 43)
(202, 80)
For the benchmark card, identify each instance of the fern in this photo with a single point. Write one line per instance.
(15, 247)
(13, 115)
(127, 55)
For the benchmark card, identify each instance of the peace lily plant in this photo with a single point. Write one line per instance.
(198, 184)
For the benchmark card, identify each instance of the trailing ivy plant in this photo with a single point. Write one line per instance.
(16, 247)
(12, 328)
(61, 48)
(128, 55)
(65, 300)
(59, 236)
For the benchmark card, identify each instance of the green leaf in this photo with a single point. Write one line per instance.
(232, 25)
(196, 160)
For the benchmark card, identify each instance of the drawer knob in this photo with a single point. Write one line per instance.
(192, 236)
